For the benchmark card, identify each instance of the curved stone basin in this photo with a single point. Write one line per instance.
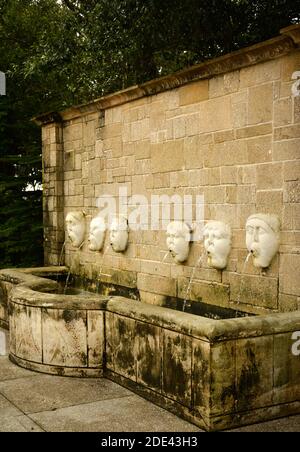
(216, 374)
(52, 333)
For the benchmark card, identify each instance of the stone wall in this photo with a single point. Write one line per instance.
(228, 129)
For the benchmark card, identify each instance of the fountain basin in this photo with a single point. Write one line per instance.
(217, 374)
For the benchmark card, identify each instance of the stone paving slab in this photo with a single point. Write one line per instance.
(7, 409)
(129, 414)
(57, 404)
(9, 371)
(287, 425)
(46, 393)
(19, 424)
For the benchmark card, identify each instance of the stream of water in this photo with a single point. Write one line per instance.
(198, 264)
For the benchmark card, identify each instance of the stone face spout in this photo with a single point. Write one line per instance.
(119, 232)
(178, 241)
(75, 223)
(217, 243)
(263, 238)
(97, 234)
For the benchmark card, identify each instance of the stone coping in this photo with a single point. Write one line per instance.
(273, 48)
(30, 291)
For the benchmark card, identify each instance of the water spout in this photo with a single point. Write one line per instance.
(166, 255)
(70, 269)
(198, 264)
(61, 258)
(243, 279)
(102, 263)
(62, 253)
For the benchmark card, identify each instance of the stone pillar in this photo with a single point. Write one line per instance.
(53, 188)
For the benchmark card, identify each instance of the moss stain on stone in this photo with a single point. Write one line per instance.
(249, 380)
(69, 316)
(149, 355)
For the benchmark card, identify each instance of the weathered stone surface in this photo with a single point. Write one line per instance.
(223, 378)
(96, 338)
(269, 176)
(149, 355)
(193, 93)
(156, 284)
(254, 378)
(26, 334)
(120, 345)
(120, 414)
(9, 371)
(201, 381)
(177, 367)
(254, 290)
(215, 115)
(64, 338)
(208, 292)
(290, 274)
(286, 369)
(261, 104)
(167, 157)
(291, 171)
(19, 424)
(254, 131)
(261, 73)
(49, 393)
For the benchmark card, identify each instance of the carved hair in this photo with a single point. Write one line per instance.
(77, 216)
(271, 220)
(183, 228)
(226, 229)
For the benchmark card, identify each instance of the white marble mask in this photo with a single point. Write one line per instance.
(178, 240)
(97, 234)
(75, 222)
(119, 234)
(217, 243)
(263, 238)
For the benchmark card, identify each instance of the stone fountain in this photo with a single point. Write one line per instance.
(227, 130)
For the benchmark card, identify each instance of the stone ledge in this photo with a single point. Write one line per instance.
(27, 294)
(61, 371)
(268, 50)
(292, 32)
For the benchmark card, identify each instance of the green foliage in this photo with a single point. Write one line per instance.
(58, 53)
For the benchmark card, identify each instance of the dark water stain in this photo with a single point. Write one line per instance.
(248, 384)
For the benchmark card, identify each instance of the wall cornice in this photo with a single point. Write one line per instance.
(277, 47)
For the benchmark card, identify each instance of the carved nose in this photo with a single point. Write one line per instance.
(256, 236)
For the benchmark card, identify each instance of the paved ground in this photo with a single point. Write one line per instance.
(32, 402)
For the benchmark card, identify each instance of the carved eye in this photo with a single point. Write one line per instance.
(262, 231)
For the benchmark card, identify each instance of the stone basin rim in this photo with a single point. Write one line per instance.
(33, 291)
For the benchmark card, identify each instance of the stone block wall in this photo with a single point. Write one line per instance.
(228, 129)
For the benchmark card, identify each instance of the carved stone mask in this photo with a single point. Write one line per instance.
(217, 243)
(178, 240)
(75, 222)
(97, 234)
(263, 238)
(119, 234)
